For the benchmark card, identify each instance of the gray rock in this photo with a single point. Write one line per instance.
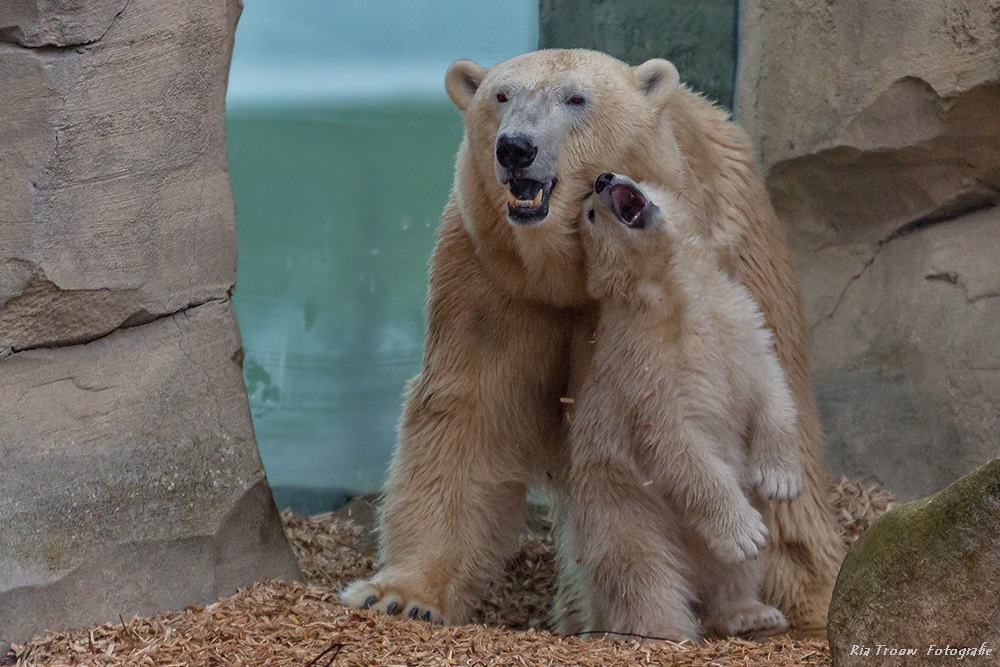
(863, 76)
(117, 205)
(36, 23)
(879, 165)
(923, 576)
(131, 478)
(130, 475)
(907, 361)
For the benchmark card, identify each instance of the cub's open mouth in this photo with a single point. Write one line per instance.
(528, 200)
(624, 198)
(628, 203)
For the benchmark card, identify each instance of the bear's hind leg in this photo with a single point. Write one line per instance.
(732, 600)
(570, 608)
(634, 565)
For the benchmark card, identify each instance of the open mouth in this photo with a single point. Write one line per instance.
(628, 203)
(624, 198)
(528, 200)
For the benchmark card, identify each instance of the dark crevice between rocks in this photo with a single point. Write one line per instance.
(139, 318)
(15, 35)
(950, 213)
(953, 278)
(113, 21)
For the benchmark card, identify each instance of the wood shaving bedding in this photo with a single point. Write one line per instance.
(276, 623)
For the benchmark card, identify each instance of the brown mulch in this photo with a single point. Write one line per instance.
(276, 623)
(293, 624)
(857, 506)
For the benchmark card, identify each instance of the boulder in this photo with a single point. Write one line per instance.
(117, 206)
(131, 477)
(38, 23)
(920, 586)
(130, 474)
(879, 130)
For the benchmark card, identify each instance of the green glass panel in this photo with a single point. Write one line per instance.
(337, 210)
(699, 36)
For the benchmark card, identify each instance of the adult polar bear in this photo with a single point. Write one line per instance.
(483, 420)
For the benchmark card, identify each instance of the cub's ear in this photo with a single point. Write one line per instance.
(462, 81)
(658, 79)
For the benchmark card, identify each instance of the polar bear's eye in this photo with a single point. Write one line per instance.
(590, 215)
(501, 97)
(576, 101)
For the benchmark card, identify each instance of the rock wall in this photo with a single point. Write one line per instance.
(131, 477)
(878, 125)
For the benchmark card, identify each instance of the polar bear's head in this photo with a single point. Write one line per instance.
(539, 129)
(628, 231)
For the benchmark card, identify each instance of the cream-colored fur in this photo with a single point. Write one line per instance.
(508, 303)
(684, 409)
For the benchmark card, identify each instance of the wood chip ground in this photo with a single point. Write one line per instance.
(276, 623)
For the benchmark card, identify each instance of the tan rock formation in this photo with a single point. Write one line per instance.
(130, 475)
(879, 127)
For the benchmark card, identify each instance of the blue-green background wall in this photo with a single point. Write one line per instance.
(341, 146)
(699, 36)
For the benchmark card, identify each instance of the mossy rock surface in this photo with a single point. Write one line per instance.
(925, 574)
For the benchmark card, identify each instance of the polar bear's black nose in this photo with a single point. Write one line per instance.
(603, 181)
(515, 151)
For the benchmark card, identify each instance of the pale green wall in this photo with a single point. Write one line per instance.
(342, 145)
(342, 149)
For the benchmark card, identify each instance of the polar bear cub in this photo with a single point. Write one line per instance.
(684, 411)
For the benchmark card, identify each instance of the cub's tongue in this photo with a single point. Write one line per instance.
(628, 202)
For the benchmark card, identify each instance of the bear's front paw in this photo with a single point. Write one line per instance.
(738, 540)
(390, 599)
(777, 482)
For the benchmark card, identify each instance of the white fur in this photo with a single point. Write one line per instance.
(483, 420)
(683, 407)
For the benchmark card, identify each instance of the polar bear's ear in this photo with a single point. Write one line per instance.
(658, 79)
(462, 81)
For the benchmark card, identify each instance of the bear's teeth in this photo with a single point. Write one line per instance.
(523, 203)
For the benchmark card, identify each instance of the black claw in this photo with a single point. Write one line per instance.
(427, 615)
(414, 613)
(372, 599)
(392, 608)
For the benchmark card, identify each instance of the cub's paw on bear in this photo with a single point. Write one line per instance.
(775, 481)
(737, 537)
